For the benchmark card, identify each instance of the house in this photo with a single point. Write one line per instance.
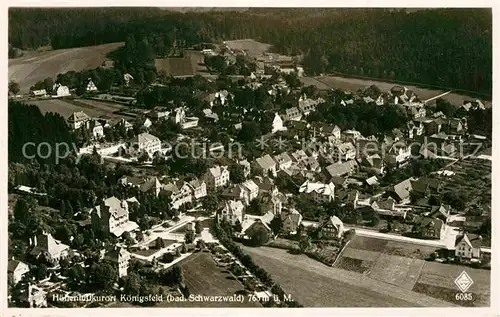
(454, 126)
(251, 189)
(265, 165)
(402, 190)
(272, 202)
(78, 119)
(387, 207)
(307, 105)
(217, 176)
(145, 185)
(416, 112)
(33, 296)
(372, 181)
(157, 114)
(179, 193)
(236, 192)
(179, 117)
(127, 78)
(328, 130)
(125, 124)
(442, 212)
(428, 228)
(210, 115)
(96, 129)
(265, 184)
(121, 259)
(299, 157)
(277, 124)
(332, 228)
(52, 249)
(112, 216)
(148, 143)
(433, 126)
(60, 90)
(199, 188)
(468, 247)
(341, 169)
(16, 271)
(373, 164)
(232, 212)
(427, 186)
(351, 135)
(283, 160)
(347, 102)
(41, 93)
(147, 123)
(415, 128)
(318, 191)
(298, 129)
(291, 220)
(90, 86)
(398, 154)
(251, 225)
(344, 151)
(292, 114)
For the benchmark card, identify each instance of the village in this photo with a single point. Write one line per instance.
(255, 162)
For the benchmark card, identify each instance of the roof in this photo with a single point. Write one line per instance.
(341, 169)
(372, 180)
(265, 162)
(346, 147)
(472, 240)
(291, 214)
(283, 158)
(250, 185)
(217, 170)
(13, 264)
(146, 137)
(403, 189)
(425, 222)
(47, 243)
(78, 116)
(320, 188)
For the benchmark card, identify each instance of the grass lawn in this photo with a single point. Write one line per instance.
(367, 243)
(354, 265)
(396, 270)
(203, 277)
(182, 229)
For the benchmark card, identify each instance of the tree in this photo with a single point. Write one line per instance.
(276, 224)
(237, 173)
(237, 226)
(189, 236)
(304, 244)
(103, 275)
(197, 227)
(132, 283)
(259, 237)
(144, 157)
(200, 244)
(13, 87)
(159, 243)
(139, 236)
(210, 203)
(250, 131)
(177, 275)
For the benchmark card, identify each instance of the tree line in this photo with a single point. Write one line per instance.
(446, 47)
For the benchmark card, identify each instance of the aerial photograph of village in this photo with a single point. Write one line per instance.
(249, 157)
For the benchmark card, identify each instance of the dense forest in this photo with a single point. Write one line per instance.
(445, 47)
(28, 124)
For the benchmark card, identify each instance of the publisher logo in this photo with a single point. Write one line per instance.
(464, 281)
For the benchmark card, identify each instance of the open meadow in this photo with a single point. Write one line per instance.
(36, 66)
(403, 265)
(66, 107)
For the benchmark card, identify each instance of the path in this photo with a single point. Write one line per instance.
(438, 96)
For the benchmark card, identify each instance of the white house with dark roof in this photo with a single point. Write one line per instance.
(344, 151)
(283, 160)
(251, 189)
(217, 176)
(468, 246)
(199, 188)
(96, 129)
(39, 93)
(148, 143)
(318, 191)
(60, 90)
(180, 193)
(78, 119)
(120, 257)
(53, 250)
(112, 216)
(332, 228)
(232, 212)
(16, 271)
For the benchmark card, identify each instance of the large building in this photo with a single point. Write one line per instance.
(16, 271)
(112, 216)
(121, 258)
(78, 119)
(52, 249)
(318, 191)
(232, 212)
(217, 176)
(148, 143)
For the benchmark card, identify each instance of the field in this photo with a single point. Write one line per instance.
(353, 84)
(403, 265)
(37, 66)
(67, 107)
(253, 47)
(203, 277)
(314, 284)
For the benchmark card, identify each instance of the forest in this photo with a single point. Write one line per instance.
(444, 47)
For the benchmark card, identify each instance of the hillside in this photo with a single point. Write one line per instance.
(36, 66)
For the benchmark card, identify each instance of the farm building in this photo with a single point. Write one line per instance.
(39, 93)
(60, 90)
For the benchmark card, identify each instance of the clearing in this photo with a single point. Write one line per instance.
(314, 284)
(353, 84)
(252, 47)
(203, 277)
(37, 66)
(66, 107)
